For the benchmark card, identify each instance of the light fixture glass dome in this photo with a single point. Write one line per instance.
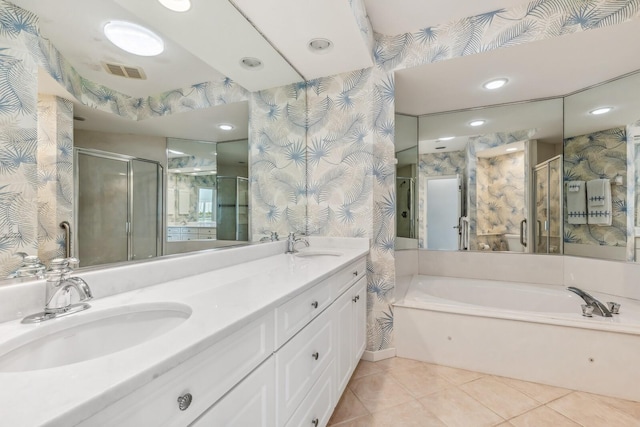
(476, 123)
(176, 5)
(601, 110)
(134, 38)
(225, 126)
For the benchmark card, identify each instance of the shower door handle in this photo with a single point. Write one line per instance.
(523, 223)
(539, 233)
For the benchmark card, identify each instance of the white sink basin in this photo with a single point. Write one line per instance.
(88, 335)
(317, 253)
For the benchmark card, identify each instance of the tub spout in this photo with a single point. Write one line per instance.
(598, 308)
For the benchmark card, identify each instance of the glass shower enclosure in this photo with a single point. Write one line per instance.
(548, 201)
(232, 217)
(118, 207)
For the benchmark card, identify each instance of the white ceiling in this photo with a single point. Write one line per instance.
(403, 16)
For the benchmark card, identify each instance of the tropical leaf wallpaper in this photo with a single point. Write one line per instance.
(435, 164)
(326, 168)
(501, 28)
(598, 155)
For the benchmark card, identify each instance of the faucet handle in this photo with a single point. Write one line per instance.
(59, 266)
(274, 236)
(613, 307)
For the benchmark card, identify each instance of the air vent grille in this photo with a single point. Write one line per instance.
(125, 71)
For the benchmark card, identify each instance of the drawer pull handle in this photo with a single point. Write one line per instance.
(315, 355)
(355, 274)
(184, 401)
(315, 422)
(314, 304)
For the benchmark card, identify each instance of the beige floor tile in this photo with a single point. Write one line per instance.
(630, 407)
(457, 409)
(396, 363)
(454, 375)
(420, 382)
(540, 392)
(411, 414)
(500, 398)
(543, 416)
(505, 424)
(589, 411)
(348, 408)
(379, 391)
(358, 422)
(365, 368)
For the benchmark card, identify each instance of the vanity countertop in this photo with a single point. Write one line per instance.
(222, 301)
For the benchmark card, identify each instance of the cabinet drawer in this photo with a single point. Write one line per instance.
(206, 237)
(250, 403)
(190, 234)
(207, 377)
(297, 312)
(190, 230)
(207, 231)
(300, 362)
(348, 276)
(318, 405)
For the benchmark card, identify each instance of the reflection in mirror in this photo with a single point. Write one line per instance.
(406, 140)
(494, 162)
(602, 129)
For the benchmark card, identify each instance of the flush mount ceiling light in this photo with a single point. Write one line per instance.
(508, 150)
(477, 123)
(176, 5)
(134, 38)
(495, 84)
(225, 126)
(320, 45)
(601, 110)
(446, 138)
(251, 63)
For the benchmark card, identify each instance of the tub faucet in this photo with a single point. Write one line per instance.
(598, 308)
(292, 240)
(58, 292)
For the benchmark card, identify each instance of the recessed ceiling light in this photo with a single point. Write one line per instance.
(602, 110)
(495, 84)
(177, 171)
(133, 38)
(441, 148)
(320, 45)
(213, 172)
(446, 138)
(508, 150)
(197, 169)
(176, 152)
(176, 5)
(476, 123)
(251, 63)
(194, 173)
(225, 126)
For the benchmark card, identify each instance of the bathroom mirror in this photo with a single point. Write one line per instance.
(601, 131)
(177, 90)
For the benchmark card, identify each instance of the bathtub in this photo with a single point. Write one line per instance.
(524, 331)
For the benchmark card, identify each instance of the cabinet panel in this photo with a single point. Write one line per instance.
(250, 403)
(317, 407)
(300, 363)
(360, 330)
(344, 325)
(294, 314)
(207, 377)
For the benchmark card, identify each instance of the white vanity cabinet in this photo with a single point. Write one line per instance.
(350, 313)
(284, 369)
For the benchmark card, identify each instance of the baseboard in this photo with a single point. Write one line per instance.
(374, 356)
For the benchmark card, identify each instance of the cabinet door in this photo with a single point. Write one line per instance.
(360, 319)
(250, 403)
(343, 312)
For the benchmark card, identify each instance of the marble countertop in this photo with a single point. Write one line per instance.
(222, 301)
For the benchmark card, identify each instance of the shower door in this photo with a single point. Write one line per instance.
(118, 208)
(232, 220)
(548, 200)
(405, 215)
(443, 210)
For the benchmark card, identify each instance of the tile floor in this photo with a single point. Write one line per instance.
(406, 393)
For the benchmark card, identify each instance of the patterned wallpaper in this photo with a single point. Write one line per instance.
(500, 197)
(435, 164)
(501, 28)
(594, 156)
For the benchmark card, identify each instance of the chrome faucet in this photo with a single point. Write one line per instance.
(598, 308)
(292, 240)
(58, 292)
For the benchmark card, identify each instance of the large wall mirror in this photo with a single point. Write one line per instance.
(497, 169)
(149, 155)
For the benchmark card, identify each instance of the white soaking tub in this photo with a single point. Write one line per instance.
(526, 331)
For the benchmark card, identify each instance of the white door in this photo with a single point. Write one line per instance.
(443, 205)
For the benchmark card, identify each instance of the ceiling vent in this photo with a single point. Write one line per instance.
(125, 71)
